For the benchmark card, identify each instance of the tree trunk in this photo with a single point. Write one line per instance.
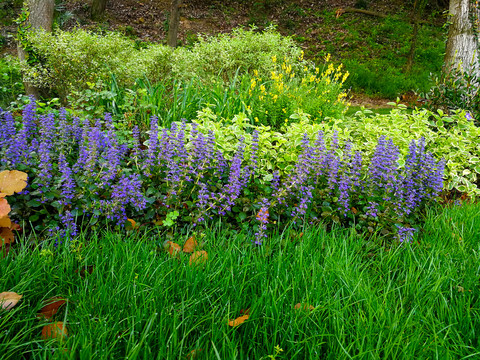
(41, 17)
(173, 23)
(97, 11)
(462, 44)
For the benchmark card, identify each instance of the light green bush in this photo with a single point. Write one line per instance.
(72, 60)
(221, 55)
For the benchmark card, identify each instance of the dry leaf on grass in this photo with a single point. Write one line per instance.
(51, 307)
(238, 321)
(4, 208)
(9, 299)
(12, 181)
(190, 245)
(304, 307)
(198, 257)
(173, 248)
(5, 222)
(56, 330)
(6, 236)
(193, 354)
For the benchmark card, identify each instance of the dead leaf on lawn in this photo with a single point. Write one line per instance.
(238, 321)
(304, 307)
(56, 330)
(190, 245)
(12, 181)
(9, 299)
(5, 222)
(6, 236)
(85, 270)
(173, 248)
(4, 208)
(193, 354)
(198, 257)
(51, 307)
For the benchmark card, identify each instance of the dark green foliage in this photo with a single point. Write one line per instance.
(10, 82)
(458, 90)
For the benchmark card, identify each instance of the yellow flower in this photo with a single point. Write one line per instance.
(327, 58)
(255, 73)
(284, 110)
(274, 58)
(262, 88)
(256, 119)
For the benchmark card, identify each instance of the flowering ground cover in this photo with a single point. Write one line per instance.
(82, 174)
(332, 295)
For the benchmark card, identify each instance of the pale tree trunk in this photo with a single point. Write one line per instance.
(173, 23)
(41, 17)
(462, 44)
(97, 11)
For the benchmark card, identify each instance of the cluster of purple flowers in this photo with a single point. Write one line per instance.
(90, 172)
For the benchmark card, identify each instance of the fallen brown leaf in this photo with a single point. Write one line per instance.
(51, 307)
(190, 245)
(56, 330)
(12, 181)
(9, 299)
(238, 321)
(304, 307)
(198, 257)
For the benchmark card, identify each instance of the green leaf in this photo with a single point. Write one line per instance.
(34, 203)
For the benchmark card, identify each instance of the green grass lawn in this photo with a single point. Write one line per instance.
(418, 300)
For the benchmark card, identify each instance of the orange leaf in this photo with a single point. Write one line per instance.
(238, 321)
(85, 271)
(12, 181)
(193, 354)
(172, 248)
(6, 236)
(198, 257)
(132, 225)
(9, 299)
(16, 227)
(4, 207)
(5, 222)
(304, 307)
(53, 304)
(56, 330)
(245, 311)
(190, 245)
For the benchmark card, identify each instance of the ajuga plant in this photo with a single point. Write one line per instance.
(80, 173)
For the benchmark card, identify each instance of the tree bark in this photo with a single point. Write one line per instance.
(173, 23)
(97, 11)
(462, 45)
(41, 17)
